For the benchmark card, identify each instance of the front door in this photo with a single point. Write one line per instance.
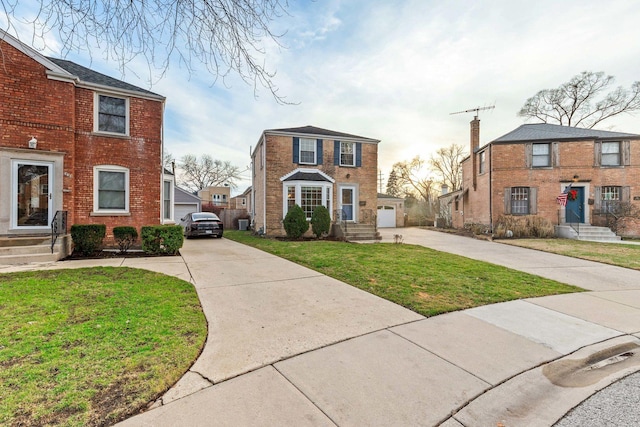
(347, 197)
(574, 211)
(32, 186)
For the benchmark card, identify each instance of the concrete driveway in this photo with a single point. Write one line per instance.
(290, 346)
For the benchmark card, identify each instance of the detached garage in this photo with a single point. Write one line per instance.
(184, 203)
(390, 211)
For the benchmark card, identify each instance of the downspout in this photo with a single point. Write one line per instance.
(490, 188)
(264, 180)
(162, 164)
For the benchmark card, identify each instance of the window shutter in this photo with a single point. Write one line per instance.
(296, 150)
(626, 153)
(625, 197)
(555, 154)
(336, 153)
(358, 154)
(318, 151)
(507, 200)
(528, 155)
(533, 200)
(597, 197)
(597, 153)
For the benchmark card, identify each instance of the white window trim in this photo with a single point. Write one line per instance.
(547, 156)
(315, 151)
(96, 114)
(603, 154)
(96, 182)
(171, 219)
(327, 194)
(353, 145)
(356, 198)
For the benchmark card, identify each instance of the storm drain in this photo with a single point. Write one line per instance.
(590, 370)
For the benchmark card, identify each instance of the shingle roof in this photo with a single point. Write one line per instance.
(312, 130)
(90, 76)
(307, 176)
(547, 132)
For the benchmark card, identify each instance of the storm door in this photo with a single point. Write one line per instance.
(32, 185)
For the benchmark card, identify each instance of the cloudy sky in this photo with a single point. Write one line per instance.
(395, 70)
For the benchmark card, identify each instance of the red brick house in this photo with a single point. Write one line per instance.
(310, 166)
(524, 171)
(75, 140)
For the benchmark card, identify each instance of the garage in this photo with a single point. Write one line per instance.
(184, 203)
(386, 216)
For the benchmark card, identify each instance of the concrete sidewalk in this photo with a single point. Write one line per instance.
(290, 346)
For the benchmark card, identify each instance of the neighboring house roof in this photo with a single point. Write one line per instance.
(247, 191)
(87, 75)
(387, 196)
(548, 132)
(315, 131)
(184, 196)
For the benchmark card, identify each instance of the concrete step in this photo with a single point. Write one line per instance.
(24, 250)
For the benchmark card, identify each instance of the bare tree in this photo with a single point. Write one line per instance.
(581, 102)
(414, 180)
(446, 163)
(198, 173)
(224, 35)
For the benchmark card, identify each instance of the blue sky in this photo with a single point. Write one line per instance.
(394, 71)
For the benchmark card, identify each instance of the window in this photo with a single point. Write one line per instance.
(347, 154)
(610, 154)
(111, 115)
(308, 195)
(308, 151)
(166, 200)
(520, 200)
(483, 161)
(44, 188)
(111, 189)
(310, 198)
(541, 155)
(610, 199)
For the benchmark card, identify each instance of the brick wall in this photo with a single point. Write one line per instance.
(279, 162)
(60, 116)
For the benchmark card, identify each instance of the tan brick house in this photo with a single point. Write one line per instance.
(310, 166)
(76, 141)
(524, 171)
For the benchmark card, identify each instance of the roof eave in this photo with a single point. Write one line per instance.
(315, 135)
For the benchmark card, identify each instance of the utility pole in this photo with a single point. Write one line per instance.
(380, 180)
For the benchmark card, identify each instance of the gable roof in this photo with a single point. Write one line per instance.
(86, 75)
(316, 131)
(303, 174)
(547, 132)
(181, 195)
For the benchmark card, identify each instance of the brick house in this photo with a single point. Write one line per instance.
(75, 140)
(524, 171)
(310, 166)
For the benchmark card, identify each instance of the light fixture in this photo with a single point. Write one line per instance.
(575, 178)
(33, 142)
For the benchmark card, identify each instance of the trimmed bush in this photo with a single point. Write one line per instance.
(320, 221)
(87, 238)
(295, 222)
(161, 239)
(125, 237)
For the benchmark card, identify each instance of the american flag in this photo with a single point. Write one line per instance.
(562, 199)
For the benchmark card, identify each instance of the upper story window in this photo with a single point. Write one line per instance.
(111, 114)
(347, 154)
(520, 200)
(307, 151)
(483, 162)
(110, 189)
(610, 154)
(541, 155)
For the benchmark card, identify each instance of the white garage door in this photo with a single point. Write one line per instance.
(386, 216)
(179, 211)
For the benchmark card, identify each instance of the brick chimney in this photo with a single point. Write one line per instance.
(475, 144)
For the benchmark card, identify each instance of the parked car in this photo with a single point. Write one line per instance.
(202, 224)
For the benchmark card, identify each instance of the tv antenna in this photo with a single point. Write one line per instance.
(474, 109)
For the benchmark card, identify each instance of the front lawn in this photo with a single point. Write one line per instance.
(91, 346)
(620, 254)
(422, 279)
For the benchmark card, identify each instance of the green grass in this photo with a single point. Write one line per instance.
(620, 254)
(91, 346)
(424, 280)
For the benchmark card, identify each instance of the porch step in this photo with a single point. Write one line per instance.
(359, 232)
(588, 233)
(25, 250)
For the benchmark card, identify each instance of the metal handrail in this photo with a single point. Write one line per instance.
(367, 216)
(577, 227)
(339, 218)
(58, 226)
